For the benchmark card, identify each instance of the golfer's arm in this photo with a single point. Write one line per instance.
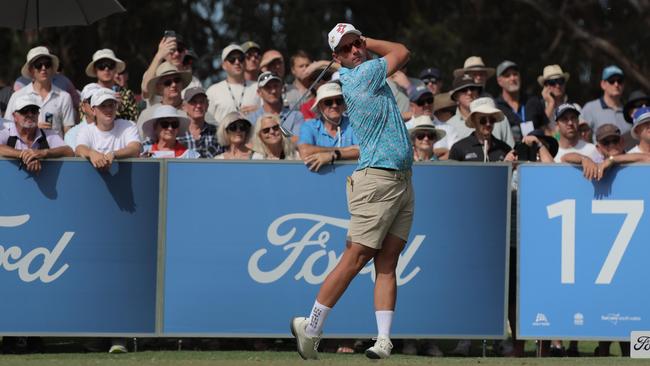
(396, 54)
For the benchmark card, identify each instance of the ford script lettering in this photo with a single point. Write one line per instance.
(642, 343)
(13, 259)
(316, 238)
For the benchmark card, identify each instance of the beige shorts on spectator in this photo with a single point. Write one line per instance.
(380, 202)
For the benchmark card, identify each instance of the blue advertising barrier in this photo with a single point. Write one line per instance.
(78, 249)
(248, 244)
(583, 250)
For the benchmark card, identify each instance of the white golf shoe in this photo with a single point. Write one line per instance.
(381, 349)
(307, 346)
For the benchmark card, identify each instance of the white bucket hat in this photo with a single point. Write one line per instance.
(484, 106)
(424, 122)
(326, 90)
(164, 111)
(552, 72)
(35, 53)
(474, 63)
(165, 69)
(107, 54)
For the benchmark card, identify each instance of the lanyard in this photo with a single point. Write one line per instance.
(241, 99)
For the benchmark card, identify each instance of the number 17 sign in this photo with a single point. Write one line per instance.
(583, 250)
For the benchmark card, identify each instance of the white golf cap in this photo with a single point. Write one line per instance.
(230, 49)
(339, 30)
(26, 101)
(88, 90)
(102, 95)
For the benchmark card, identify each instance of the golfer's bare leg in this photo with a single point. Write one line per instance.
(385, 265)
(353, 260)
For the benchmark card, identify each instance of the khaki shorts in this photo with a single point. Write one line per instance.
(380, 202)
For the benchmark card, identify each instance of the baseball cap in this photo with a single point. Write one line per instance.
(505, 65)
(102, 95)
(26, 101)
(249, 45)
(563, 108)
(192, 92)
(339, 30)
(265, 78)
(641, 116)
(430, 72)
(230, 49)
(416, 91)
(88, 90)
(610, 71)
(606, 131)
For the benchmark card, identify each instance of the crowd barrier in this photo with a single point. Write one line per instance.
(208, 248)
(583, 248)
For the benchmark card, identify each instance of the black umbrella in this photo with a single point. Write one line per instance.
(36, 14)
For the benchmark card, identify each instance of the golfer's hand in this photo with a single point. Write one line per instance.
(316, 161)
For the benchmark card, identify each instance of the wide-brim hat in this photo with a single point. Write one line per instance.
(167, 69)
(442, 101)
(316, 67)
(269, 56)
(634, 97)
(483, 105)
(474, 63)
(424, 123)
(327, 90)
(33, 54)
(552, 72)
(104, 54)
(461, 82)
(164, 111)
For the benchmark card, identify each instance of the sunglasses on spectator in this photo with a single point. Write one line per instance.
(177, 80)
(422, 102)
(613, 140)
(252, 54)
(275, 128)
(237, 57)
(485, 120)
(40, 63)
(330, 102)
(420, 135)
(358, 43)
(180, 48)
(166, 123)
(470, 89)
(554, 82)
(29, 110)
(241, 126)
(105, 65)
(429, 80)
(613, 81)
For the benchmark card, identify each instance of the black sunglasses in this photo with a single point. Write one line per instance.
(330, 102)
(422, 102)
(470, 89)
(485, 120)
(166, 123)
(105, 65)
(420, 135)
(554, 82)
(237, 57)
(268, 129)
(29, 110)
(38, 64)
(614, 140)
(242, 126)
(618, 80)
(253, 53)
(348, 47)
(177, 80)
(429, 80)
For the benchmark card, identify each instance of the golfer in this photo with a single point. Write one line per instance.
(380, 195)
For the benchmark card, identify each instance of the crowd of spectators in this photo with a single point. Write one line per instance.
(259, 112)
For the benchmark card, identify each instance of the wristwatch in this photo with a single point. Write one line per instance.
(338, 154)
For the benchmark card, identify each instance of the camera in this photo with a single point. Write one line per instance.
(525, 152)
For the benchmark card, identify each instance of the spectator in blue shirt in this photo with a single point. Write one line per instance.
(328, 137)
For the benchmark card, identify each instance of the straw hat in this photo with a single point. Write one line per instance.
(166, 69)
(327, 90)
(484, 106)
(552, 72)
(474, 63)
(35, 53)
(104, 54)
(424, 122)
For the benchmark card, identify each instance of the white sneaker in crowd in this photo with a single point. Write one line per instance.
(381, 349)
(117, 349)
(307, 346)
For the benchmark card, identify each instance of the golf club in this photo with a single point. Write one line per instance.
(286, 132)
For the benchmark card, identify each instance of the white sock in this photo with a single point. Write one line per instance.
(384, 321)
(317, 319)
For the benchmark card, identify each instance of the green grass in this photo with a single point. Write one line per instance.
(245, 358)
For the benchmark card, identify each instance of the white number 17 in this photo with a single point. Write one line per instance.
(633, 209)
